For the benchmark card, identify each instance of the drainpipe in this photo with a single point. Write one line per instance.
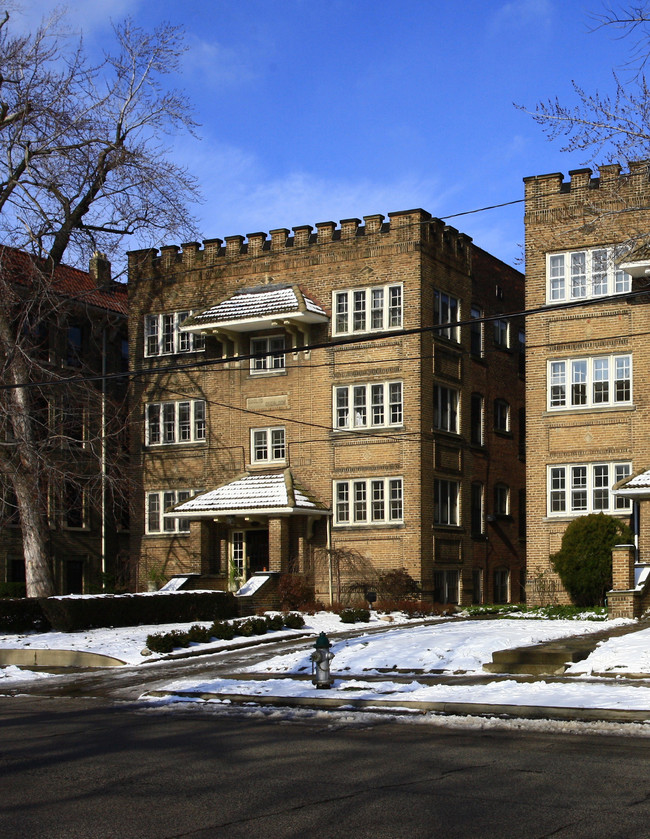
(329, 559)
(103, 463)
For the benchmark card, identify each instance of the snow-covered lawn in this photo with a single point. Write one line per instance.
(414, 648)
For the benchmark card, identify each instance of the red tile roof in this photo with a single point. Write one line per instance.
(68, 281)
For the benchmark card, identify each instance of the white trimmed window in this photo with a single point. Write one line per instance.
(162, 335)
(367, 309)
(267, 445)
(368, 501)
(446, 309)
(502, 333)
(158, 503)
(584, 274)
(269, 352)
(372, 405)
(574, 489)
(476, 331)
(445, 408)
(445, 502)
(501, 500)
(501, 415)
(589, 382)
(175, 422)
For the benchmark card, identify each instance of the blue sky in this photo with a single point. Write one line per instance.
(317, 111)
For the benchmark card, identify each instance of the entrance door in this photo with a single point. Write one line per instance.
(257, 548)
(249, 554)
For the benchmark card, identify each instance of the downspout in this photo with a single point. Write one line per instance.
(103, 463)
(329, 559)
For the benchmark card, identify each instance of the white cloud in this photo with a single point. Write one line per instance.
(81, 16)
(216, 65)
(519, 14)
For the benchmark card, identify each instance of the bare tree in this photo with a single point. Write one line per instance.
(83, 165)
(615, 126)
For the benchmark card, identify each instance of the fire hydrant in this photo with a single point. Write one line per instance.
(320, 662)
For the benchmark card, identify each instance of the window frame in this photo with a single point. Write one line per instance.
(564, 284)
(358, 311)
(167, 337)
(274, 440)
(501, 327)
(477, 419)
(572, 489)
(272, 360)
(446, 408)
(446, 310)
(173, 421)
(177, 526)
(446, 502)
(477, 332)
(501, 499)
(368, 502)
(501, 416)
(370, 398)
(571, 383)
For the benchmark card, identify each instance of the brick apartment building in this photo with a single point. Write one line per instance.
(588, 365)
(82, 331)
(340, 401)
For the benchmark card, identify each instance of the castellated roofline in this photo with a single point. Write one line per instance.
(610, 176)
(415, 225)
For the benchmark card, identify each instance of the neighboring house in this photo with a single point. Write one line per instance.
(311, 403)
(588, 383)
(77, 325)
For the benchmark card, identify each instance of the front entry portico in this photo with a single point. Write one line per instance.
(265, 520)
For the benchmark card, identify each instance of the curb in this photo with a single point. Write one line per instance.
(473, 709)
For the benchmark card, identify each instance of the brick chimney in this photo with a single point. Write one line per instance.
(100, 269)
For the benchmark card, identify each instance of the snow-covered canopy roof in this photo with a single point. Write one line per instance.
(261, 307)
(635, 259)
(634, 486)
(267, 494)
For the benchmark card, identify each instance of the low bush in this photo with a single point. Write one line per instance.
(166, 642)
(222, 631)
(295, 590)
(355, 615)
(293, 620)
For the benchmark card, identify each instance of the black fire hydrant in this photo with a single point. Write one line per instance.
(320, 663)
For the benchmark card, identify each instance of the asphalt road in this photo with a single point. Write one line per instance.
(88, 768)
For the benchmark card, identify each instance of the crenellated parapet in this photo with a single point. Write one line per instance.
(611, 184)
(409, 228)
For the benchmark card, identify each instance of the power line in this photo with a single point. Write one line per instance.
(332, 343)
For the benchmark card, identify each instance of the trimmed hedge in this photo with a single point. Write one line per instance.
(166, 642)
(23, 615)
(67, 614)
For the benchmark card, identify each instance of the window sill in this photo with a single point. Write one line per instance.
(375, 525)
(265, 374)
(587, 409)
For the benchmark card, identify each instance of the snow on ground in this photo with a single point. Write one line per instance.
(507, 692)
(455, 647)
(450, 647)
(627, 655)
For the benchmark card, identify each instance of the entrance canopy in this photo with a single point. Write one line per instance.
(252, 494)
(635, 486)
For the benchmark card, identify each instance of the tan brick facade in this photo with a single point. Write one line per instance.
(588, 362)
(434, 267)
